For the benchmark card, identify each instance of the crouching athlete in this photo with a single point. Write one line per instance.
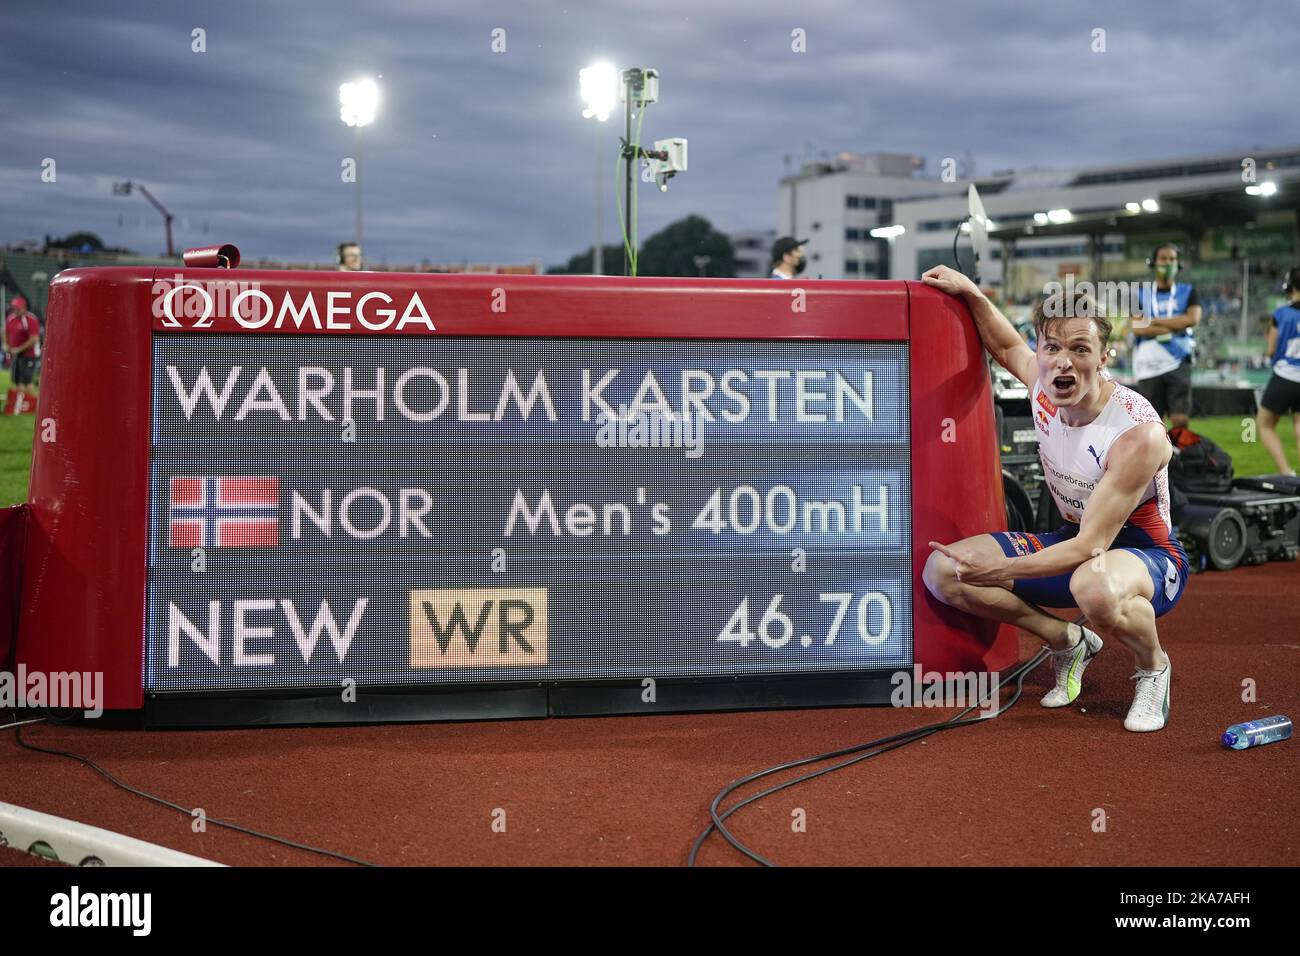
(1105, 456)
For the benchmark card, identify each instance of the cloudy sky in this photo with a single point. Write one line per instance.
(484, 156)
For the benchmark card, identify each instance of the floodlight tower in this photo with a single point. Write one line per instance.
(598, 84)
(358, 102)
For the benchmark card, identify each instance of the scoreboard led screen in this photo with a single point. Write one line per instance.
(404, 511)
(290, 496)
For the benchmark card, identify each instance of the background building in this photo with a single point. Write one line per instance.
(753, 252)
(1233, 215)
(836, 203)
(1199, 202)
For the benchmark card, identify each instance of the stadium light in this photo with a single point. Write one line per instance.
(888, 232)
(1150, 205)
(598, 84)
(1040, 218)
(1263, 189)
(1059, 215)
(1133, 207)
(358, 103)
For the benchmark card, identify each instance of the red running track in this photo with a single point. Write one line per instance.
(635, 790)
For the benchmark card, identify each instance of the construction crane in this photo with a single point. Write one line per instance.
(124, 189)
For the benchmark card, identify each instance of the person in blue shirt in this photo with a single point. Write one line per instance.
(1164, 343)
(1282, 393)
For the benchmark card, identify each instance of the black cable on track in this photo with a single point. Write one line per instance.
(885, 744)
(283, 841)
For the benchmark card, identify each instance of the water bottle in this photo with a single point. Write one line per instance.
(1253, 733)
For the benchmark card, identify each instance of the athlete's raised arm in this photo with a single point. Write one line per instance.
(996, 331)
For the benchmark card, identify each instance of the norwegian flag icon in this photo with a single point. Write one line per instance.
(217, 512)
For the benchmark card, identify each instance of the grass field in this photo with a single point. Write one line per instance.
(16, 433)
(1248, 458)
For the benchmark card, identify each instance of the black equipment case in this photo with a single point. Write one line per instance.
(1270, 522)
(1277, 484)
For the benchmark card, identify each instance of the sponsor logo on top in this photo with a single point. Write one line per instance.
(187, 303)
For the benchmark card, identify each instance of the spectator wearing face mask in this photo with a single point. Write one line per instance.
(788, 257)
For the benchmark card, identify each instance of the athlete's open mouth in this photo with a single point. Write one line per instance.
(1063, 383)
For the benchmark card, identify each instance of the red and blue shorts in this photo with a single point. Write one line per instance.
(1166, 564)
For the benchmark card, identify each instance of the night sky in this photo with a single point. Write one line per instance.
(485, 157)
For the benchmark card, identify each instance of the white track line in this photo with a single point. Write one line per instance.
(75, 842)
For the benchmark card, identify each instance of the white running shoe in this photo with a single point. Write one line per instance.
(1069, 664)
(1150, 710)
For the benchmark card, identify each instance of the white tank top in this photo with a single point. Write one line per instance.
(1074, 458)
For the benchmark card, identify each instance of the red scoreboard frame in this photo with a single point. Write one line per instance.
(83, 603)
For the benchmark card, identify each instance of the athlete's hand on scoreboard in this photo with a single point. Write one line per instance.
(978, 569)
(947, 279)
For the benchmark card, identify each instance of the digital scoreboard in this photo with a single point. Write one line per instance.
(296, 496)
